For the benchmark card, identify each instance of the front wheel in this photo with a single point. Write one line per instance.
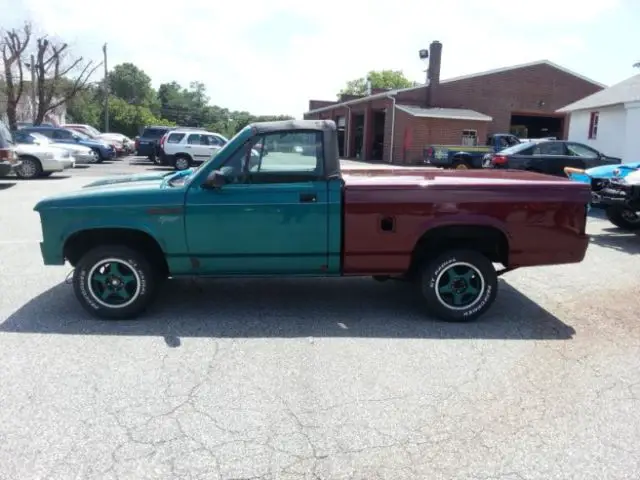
(114, 282)
(29, 168)
(459, 285)
(624, 218)
(99, 157)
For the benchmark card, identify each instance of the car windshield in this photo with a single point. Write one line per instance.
(92, 130)
(515, 148)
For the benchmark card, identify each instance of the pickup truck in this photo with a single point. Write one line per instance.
(463, 157)
(297, 214)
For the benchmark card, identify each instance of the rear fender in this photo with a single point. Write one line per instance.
(462, 220)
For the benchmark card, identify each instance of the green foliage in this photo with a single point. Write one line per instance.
(134, 103)
(387, 79)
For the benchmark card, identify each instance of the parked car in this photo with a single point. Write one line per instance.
(41, 161)
(291, 214)
(80, 153)
(182, 149)
(66, 136)
(463, 157)
(123, 144)
(8, 158)
(88, 130)
(148, 145)
(550, 157)
(616, 189)
(94, 134)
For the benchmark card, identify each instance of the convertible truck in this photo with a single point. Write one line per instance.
(295, 213)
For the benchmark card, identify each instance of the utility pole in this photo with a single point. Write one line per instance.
(106, 91)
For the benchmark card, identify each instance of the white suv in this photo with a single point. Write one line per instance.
(183, 149)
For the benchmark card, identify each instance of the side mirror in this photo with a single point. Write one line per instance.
(215, 181)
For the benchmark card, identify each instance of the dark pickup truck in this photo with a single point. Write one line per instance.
(295, 213)
(464, 157)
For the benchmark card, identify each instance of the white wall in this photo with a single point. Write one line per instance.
(632, 138)
(612, 128)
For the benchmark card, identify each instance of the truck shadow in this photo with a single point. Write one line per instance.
(288, 309)
(617, 239)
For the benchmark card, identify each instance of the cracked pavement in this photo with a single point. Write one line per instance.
(319, 378)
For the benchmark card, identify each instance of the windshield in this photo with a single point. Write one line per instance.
(92, 130)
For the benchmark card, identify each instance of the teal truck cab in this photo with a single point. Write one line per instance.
(295, 213)
(464, 157)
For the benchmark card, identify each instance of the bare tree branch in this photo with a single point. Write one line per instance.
(55, 85)
(13, 44)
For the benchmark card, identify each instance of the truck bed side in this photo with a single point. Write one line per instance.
(541, 218)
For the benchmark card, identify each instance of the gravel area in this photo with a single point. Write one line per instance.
(319, 378)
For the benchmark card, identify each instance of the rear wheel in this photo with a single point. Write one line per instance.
(29, 168)
(114, 282)
(460, 164)
(459, 285)
(624, 218)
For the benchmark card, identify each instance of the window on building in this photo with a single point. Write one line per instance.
(593, 125)
(469, 138)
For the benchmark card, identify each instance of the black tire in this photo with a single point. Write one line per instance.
(132, 264)
(182, 162)
(460, 164)
(30, 168)
(481, 276)
(623, 218)
(46, 174)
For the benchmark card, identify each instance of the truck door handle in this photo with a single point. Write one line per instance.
(308, 198)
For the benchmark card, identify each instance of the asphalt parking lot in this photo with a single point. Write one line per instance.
(317, 379)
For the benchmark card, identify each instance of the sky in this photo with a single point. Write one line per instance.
(272, 56)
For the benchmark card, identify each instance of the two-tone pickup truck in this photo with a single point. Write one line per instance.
(464, 157)
(296, 214)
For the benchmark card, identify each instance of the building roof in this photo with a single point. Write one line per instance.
(446, 113)
(623, 92)
(455, 79)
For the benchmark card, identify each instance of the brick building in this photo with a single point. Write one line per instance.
(395, 125)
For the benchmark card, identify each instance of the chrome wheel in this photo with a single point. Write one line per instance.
(29, 168)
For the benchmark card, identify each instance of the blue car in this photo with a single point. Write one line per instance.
(65, 135)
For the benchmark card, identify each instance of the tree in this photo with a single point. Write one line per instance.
(13, 44)
(59, 76)
(128, 82)
(387, 79)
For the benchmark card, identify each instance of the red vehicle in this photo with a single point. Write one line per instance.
(295, 213)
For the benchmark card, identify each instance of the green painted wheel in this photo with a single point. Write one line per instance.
(114, 283)
(459, 286)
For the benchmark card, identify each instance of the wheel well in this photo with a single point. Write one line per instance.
(183, 155)
(489, 241)
(81, 242)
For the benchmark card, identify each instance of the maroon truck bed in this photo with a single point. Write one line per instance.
(542, 218)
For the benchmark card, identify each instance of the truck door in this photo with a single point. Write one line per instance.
(271, 216)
